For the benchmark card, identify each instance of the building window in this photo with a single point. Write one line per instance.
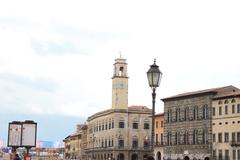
(186, 140)
(186, 114)
(135, 143)
(220, 154)
(112, 124)
(233, 108)
(161, 124)
(156, 124)
(213, 111)
(120, 143)
(177, 114)
(177, 138)
(195, 135)
(226, 101)
(234, 154)
(214, 154)
(168, 116)
(220, 137)
(204, 136)
(146, 125)
(103, 127)
(214, 137)
(205, 111)
(195, 112)
(238, 136)
(146, 142)
(168, 138)
(238, 108)
(135, 125)
(105, 143)
(233, 136)
(226, 109)
(156, 140)
(226, 154)
(219, 102)
(226, 137)
(121, 124)
(106, 126)
(238, 154)
(109, 125)
(220, 111)
(161, 138)
(233, 100)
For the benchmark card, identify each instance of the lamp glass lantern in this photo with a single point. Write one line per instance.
(154, 75)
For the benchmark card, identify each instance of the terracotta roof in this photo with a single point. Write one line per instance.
(232, 93)
(217, 91)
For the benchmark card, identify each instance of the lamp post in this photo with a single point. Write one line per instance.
(154, 76)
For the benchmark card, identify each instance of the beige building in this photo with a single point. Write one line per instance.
(159, 132)
(121, 132)
(76, 143)
(226, 126)
(188, 123)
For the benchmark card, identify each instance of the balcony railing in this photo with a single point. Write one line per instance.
(159, 144)
(235, 143)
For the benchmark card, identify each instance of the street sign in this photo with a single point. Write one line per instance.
(29, 134)
(14, 134)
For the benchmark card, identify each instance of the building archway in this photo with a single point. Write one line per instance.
(159, 156)
(134, 157)
(186, 158)
(206, 158)
(120, 156)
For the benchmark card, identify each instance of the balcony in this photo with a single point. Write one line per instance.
(158, 144)
(235, 143)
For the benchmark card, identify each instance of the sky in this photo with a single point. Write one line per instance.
(56, 57)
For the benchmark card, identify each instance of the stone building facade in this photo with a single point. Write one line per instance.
(75, 144)
(188, 124)
(159, 136)
(226, 126)
(122, 132)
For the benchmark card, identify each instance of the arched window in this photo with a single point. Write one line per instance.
(186, 138)
(219, 102)
(177, 138)
(195, 135)
(195, 113)
(205, 136)
(169, 138)
(233, 100)
(205, 112)
(226, 101)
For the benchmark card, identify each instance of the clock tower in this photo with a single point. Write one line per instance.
(120, 84)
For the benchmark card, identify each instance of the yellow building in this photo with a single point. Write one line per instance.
(122, 132)
(226, 126)
(159, 134)
(76, 143)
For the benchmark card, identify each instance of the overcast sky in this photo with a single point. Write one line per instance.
(56, 57)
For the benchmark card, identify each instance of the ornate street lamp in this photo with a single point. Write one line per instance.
(154, 77)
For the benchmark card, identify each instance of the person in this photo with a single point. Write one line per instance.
(17, 157)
